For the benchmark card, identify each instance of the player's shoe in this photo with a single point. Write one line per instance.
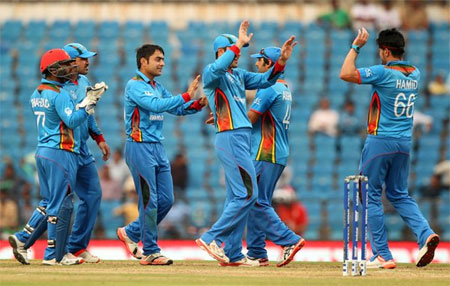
(68, 259)
(379, 262)
(155, 259)
(245, 262)
(130, 245)
(262, 261)
(290, 251)
(87, 256)
(426, 253)
(20, 253)
(213, 250)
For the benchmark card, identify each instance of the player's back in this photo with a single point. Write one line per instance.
(52, 132)
(395, 89)
(270, 133)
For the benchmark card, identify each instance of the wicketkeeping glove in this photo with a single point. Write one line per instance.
(97, 90)
(88, 104)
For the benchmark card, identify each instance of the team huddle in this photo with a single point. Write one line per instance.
(252, 146)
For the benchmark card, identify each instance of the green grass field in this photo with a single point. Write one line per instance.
(209, 273)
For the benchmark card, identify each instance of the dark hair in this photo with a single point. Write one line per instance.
(267, 61)
(146, 51)
(392, 40)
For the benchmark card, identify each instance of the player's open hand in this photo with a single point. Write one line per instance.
(193, 86)
(105, 150)
(362, 37)
(286, 50)
(243, 38)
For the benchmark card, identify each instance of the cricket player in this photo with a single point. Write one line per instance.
(270, 115)
(385, 156)
(56, 157)
(224, 85)
(87, 186)
(146, 100)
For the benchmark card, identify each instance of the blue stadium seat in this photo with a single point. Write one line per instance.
(110, 221)
(11, 31)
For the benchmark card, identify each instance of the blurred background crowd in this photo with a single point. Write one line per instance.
(327, 123)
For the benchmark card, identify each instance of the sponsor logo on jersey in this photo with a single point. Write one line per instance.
(68, 111)
(287, 96)
(257, 101)
(149, 93)
(239, 99)
(156, 117)
(368, 72)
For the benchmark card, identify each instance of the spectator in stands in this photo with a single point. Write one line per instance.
(434, 188)
(180, 176)
(364, 14)
(12, 183)
(129, 209)
(290, 211)
(176, 223)
(338, 18)
(324, 119)
(422, 122)
(9, 219)
(414, 16)
(111, 189)
(349, 124)
(118, 168)
(437, 86)
(388, 16)
(442, 169)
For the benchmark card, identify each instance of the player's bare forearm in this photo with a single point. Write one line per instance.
(348, 71)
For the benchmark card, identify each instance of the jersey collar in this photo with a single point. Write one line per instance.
(396, 63)
(51, 82)
(146, 79)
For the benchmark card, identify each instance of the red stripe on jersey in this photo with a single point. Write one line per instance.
(223, 112)
(136, 132)
(374, 115)
(266, 150)
(67, 142)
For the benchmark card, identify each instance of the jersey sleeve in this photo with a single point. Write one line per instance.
(371, 75)
(94, 131)
(216, 70)
(263, 100)
(262, 80)
(66, 111)
(151, 102)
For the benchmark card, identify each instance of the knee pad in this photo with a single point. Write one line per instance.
(38, 230)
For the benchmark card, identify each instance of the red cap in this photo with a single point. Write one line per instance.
(54, 56)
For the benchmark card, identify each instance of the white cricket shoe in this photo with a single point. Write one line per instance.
(87, 256)
(68, 259)
(379, 262)
(213, 250)
(426, 253)
(130, 245)
(20, 253)
(245, 262)
(290, 251)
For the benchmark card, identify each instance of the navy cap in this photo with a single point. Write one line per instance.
(270, 53)
(225, 40)
(76, 50)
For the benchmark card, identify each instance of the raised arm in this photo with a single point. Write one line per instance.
(348, 71)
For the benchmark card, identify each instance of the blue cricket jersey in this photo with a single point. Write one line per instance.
(89, 127)
(145, 103)
(225, 90)
(56, 117)
(394, 90)
(270, 133)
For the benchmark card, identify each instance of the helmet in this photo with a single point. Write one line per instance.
(52, 57)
